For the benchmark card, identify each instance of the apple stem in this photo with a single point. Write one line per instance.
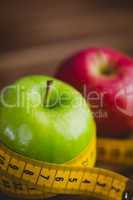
(105, 67)
(48, 88)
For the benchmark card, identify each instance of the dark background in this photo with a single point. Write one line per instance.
(40, 34)
(72, 23)
(36, 35)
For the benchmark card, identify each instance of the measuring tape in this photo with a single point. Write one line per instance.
(31, 179)
(115, 151)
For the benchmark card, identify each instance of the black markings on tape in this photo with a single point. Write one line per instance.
(28, 172)
(72, 180)
(59, 179)
(86, 181)
(45, 177)
(31, 188)
(101, 184)
(14, 167)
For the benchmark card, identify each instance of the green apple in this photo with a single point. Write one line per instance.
(45, 119)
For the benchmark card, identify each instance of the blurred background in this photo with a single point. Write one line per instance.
(36, 35)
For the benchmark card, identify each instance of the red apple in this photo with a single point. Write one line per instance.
(105, 77)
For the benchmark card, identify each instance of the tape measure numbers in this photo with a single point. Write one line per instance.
(23, 177)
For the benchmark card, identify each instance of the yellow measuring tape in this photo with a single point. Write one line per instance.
(23, 177)
(115, 151)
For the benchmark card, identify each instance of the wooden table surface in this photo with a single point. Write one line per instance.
(66, 25)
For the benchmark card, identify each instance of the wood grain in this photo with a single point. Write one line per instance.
(26, 24)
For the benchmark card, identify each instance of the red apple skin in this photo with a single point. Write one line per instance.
(80, 71)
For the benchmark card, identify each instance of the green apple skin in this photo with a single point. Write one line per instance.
(54, 134)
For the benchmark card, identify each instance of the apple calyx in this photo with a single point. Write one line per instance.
(49, 84)
(104, 66)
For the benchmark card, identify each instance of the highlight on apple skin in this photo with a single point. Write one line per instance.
(45, 119)
(105, 78)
